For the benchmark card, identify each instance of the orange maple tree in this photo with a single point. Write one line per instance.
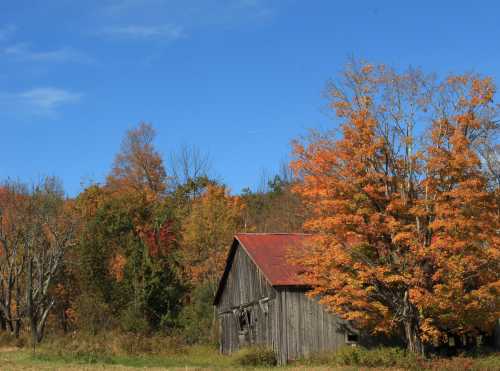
(138, 167)
(405, 217)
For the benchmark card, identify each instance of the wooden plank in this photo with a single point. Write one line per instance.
(244, 284)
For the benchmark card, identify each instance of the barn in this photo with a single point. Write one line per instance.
(261, 301)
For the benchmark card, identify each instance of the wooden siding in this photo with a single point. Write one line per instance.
(245, 286)
(294, 325)
(306, 327)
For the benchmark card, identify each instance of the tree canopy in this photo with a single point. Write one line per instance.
(403, 205)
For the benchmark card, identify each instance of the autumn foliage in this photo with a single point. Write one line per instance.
(402, 198)
(404, 207)
(207, 234)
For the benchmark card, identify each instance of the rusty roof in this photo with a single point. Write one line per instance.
(271, 254)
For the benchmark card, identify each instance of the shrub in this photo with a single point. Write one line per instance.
(196, 319)
(256, 356)
(82, 349)
(134, 344)
(132, 320)
(378, 357)
(93, 314)
(362, 357)
(7, 339)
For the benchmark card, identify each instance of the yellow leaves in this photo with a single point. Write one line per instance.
(207, 232)
(431, 333)
(116, 267)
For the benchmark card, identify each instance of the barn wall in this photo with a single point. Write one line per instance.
(305, 326)
(294, 325)
(246, 285)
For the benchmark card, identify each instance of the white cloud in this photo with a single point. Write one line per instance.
(38, 101)
(6, 32)
(180, 16)
(23, 51)
(118, 7)
(165, 32)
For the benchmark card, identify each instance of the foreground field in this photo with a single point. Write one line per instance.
(207, 358)
(194, 359)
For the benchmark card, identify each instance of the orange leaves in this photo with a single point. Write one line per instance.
(116, 267)
(367, 68)
(397, 217)
(139, 167)
(207, 232)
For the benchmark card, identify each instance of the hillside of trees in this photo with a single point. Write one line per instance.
(141, 252)
(402, 195)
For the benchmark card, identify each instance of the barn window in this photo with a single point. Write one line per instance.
(264, 305)
(351, 337)
(244, 320)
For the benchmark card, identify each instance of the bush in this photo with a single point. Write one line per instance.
(362, 357)
(134, 344)
(105, 345)
(93, 314)
(138, 344)
(9, 340)
(196, 319)
(385, 357)
(256, 356)
(82, 349)
(132, 320)
(378, 357)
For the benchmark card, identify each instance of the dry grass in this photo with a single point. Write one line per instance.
(131, 352)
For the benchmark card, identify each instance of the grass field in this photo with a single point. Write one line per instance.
(207, 358)
(193, 359)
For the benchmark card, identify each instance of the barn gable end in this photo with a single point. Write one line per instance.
(243, 304)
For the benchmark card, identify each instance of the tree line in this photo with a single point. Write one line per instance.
(141, 252)
(402, 196)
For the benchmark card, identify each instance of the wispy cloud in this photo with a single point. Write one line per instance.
(6, 32)
(118, 7)
(173, 19)
(38, 101)
(24, 52)
(164, 32)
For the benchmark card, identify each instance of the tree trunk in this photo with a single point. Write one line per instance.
(17, 322)
(410, 325)
(29, 302)
(3, 325)
(17, 328)
(412, 337)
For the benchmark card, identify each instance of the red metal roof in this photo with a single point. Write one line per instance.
(271, 252)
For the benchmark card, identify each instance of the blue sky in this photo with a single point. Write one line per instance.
(239, 79)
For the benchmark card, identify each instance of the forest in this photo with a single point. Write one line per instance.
(401, 194)
(141, 252)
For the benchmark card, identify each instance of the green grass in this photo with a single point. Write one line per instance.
(199, 357)
(194, 358)
(208, 358)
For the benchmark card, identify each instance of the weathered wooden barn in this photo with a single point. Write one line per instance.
(261, 301)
